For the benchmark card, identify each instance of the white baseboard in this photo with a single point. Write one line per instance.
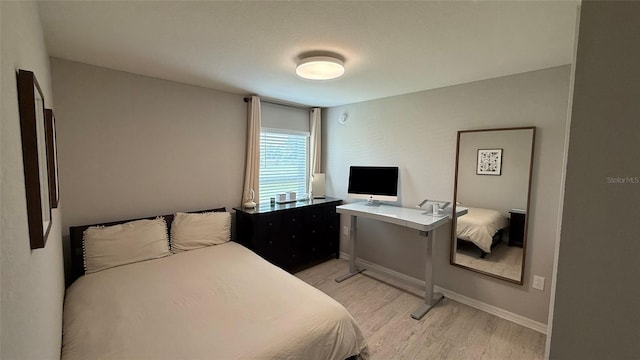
(493, 310)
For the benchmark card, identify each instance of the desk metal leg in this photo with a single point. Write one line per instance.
(353, 269)
(430, 298)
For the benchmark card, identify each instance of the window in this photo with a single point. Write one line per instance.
(283, 162)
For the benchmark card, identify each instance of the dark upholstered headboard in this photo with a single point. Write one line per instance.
(76, 235)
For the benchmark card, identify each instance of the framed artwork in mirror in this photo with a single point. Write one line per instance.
(489, 236)
(52, 157)
(489, 162)
(34, 154)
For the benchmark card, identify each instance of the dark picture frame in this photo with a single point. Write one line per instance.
(52, 157)
(489, 162)
(34, 154)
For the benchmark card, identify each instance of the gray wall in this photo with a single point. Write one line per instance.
(505, 192)
(130, 145)
(32, 280)
(417, 132)
(596, 314)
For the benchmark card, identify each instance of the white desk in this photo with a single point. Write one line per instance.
(414, 218)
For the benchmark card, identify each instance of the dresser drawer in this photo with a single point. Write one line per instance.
(293, 220)
(330, 213)
(270, 223)
(314, 215)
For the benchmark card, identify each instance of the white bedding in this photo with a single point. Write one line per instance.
(220, 302)
(479, 225)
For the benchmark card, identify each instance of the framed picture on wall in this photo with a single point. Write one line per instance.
(489, 162)
(52, 157)
(34, 155)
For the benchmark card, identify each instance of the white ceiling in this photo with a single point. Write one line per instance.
(244, 47)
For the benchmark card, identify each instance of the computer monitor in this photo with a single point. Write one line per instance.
(373, 183)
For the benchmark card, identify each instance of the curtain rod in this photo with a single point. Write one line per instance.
(246, 99)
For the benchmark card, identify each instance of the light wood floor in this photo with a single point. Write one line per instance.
(503, 260)
(449, 331)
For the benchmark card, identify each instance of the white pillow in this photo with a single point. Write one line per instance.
(191, 231)
(109, 246)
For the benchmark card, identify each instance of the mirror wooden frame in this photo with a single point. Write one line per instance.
(528, 205)
(34, 157)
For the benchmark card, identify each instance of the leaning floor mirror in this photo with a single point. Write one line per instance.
(491, 197)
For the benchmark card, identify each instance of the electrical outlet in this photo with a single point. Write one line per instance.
(345, 230)
(538, 282)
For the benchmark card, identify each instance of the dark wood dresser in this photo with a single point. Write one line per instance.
(292, 236)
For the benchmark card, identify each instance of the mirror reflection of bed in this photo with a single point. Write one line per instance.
(503, 259)
(493, 169)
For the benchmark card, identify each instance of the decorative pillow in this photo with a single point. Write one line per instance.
(109, 246)
(191, 231)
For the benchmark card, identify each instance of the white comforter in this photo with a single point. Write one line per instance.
(479, 225)
(221, 302)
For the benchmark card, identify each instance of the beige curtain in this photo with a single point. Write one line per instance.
(252, 169)
(315, 144)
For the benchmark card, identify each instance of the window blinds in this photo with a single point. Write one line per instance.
(283, 162)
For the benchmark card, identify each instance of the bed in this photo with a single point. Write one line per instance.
(215, 302)
(482, 227)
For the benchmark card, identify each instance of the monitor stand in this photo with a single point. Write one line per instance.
(371, 202)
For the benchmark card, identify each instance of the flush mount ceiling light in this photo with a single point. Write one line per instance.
(320, 68)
